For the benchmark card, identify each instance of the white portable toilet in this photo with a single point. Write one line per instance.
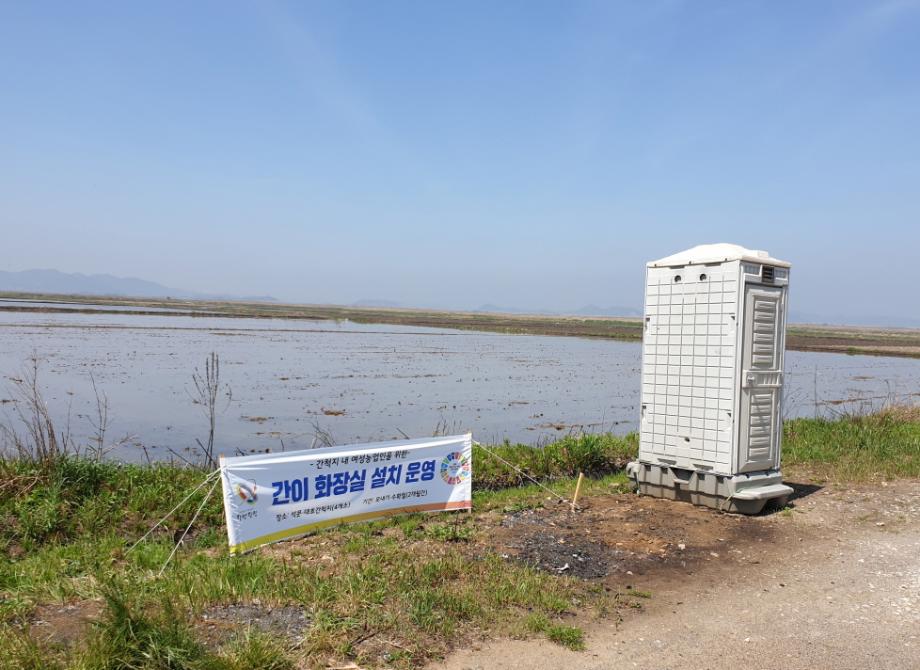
(712, 378)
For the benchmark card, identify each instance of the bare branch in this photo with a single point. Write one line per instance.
(207, 389)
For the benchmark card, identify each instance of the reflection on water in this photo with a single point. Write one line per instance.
(365, 382)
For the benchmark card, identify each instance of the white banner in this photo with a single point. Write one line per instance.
(272, 497)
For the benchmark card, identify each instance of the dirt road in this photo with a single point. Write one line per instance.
(837, 585)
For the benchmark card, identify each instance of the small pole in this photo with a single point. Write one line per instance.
(581, 475)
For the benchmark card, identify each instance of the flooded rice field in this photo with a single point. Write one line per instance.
(56, 305)
(357, 382)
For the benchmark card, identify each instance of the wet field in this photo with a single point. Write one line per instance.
(363, 382)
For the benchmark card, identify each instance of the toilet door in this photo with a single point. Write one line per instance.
(761, 378)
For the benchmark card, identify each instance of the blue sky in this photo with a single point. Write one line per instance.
(528, 154)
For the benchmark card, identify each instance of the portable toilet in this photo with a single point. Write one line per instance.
(712, 378)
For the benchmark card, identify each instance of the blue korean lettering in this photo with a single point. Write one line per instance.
(277, 498)
(339, 483)
(322, 485)
(356, 481)
(379, 478)
(290, 490)
(420, 470)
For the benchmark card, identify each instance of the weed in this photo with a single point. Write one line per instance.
(37, 440)
(256, 650)
(126, 637)
(567, 636)
(450, 532)
(207, 388)
(410, 584)
(531, 496)
(884, 445)
(594, 454)
(20, 651)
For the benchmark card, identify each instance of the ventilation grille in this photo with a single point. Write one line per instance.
(767, 274)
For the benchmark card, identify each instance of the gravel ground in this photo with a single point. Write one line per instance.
(838, 586)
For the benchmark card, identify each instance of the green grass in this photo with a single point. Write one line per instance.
(75, 497)
(568, 636)
(418, 594)
(71, 497)
(129, 637)
(395, 593)
(594, 454)
(20, 651)
(414, 583)
(885, 445)
(531, 496)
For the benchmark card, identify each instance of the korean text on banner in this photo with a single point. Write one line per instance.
(272, 497)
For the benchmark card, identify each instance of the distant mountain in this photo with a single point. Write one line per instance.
(75, 283)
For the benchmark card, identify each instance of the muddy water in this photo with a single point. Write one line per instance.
(363, 382)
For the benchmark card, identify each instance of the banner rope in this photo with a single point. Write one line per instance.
(518, 470)
(173, 510)
(189, 526)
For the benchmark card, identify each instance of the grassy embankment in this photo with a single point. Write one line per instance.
(859, 448)
(393, 593)
(839, 339)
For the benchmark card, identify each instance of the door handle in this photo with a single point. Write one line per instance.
(752, 378)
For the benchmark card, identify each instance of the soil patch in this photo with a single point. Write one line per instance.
(63, 625)
(221, 622)
(621, 535)
(836, 586)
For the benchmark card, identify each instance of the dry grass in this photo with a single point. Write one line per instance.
(902, 413)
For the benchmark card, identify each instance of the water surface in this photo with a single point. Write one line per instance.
(364, 382)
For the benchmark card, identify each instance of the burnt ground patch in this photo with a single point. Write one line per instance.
(619, 536)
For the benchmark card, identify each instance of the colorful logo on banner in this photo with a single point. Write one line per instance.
(455, 468)
(247, 492)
